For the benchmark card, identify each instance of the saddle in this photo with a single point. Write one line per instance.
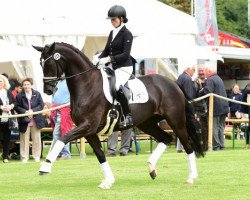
(112, 81)
(134, 88)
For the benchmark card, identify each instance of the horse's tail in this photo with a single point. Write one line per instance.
(194, 130)
(193, 127)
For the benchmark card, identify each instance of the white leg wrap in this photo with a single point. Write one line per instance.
(57, 148)
(108, 175)
(159, 150)
(193, 174)
(45, 167)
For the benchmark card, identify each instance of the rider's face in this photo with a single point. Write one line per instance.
(116, 21)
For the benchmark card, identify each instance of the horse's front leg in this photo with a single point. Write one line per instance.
(75, 133)
(109, 179)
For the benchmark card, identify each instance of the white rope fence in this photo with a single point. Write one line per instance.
(67, 104)
(210, 123)
(220, 97)
(35, 113)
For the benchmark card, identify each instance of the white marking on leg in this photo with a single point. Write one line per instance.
(109, 178)
(159, 150)
(193, 174)
(57, 148)
(152, 161)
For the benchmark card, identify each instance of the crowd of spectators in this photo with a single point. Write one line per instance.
(20, 98)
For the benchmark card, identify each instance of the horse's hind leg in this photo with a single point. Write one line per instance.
(151, 127)
(108, 175)
(178, 124)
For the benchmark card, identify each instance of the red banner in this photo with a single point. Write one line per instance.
(231, 41)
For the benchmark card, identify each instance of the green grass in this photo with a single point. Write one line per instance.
(222, 175)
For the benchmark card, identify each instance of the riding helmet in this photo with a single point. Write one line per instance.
(117, 11)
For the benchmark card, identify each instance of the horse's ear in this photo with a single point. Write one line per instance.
(38, 48)
(52, 47)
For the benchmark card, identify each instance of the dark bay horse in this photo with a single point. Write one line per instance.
(89, 109)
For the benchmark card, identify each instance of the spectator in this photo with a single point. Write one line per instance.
(15, 148)
(125, 143)
(234, 107)
(142, 68)
(61, 120)
(214, 84)
(11, 82)
(246, 109)
(17, 88)
(29, 101)
(185, 82)
(7, 104)
(201, 77)
(201, 108)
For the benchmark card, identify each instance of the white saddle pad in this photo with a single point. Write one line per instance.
(139, 91)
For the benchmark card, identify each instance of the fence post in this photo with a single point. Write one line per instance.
(210, 122)
(82, 148)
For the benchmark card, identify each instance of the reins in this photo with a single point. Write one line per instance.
(56, 56)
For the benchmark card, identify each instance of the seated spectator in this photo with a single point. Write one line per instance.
(234, 107)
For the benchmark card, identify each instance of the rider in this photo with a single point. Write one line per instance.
(117, 52)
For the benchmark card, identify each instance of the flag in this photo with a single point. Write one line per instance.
(205, 14)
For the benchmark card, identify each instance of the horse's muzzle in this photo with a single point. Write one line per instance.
(47, 89)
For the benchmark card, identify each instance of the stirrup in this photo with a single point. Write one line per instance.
(127, 122)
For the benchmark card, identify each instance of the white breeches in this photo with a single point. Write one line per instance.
(122, 75)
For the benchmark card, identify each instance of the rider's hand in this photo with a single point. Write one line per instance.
(95, 60)
(105, 60)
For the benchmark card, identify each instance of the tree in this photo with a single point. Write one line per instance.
(231, 14)
(232, 17)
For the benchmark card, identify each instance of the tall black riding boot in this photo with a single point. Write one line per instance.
(121, 97)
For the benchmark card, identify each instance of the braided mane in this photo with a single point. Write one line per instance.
(74, 49)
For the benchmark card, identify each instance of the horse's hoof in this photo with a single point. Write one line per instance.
(152, 171)
(105, 185)
(45, 168)
(189, 181)
(42, 173)
(153, 174)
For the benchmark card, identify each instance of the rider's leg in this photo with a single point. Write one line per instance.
(122, 75)
(125, 107)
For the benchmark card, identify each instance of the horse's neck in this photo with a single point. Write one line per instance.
(86, 82)
(85, 85)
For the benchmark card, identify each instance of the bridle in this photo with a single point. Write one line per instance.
(57, 56)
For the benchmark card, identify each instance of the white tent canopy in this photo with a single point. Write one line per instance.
(78, 22)
(163, 45)
(232, 52)
(88, 17)
(12, 52)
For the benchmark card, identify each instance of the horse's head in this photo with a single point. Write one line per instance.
(52, 65)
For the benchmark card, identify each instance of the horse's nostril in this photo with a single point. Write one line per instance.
(48, 92)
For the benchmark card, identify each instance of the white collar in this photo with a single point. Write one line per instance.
(119, 27)
(116, 30)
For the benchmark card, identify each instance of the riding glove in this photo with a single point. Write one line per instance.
(95, 60)
(104, 61)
